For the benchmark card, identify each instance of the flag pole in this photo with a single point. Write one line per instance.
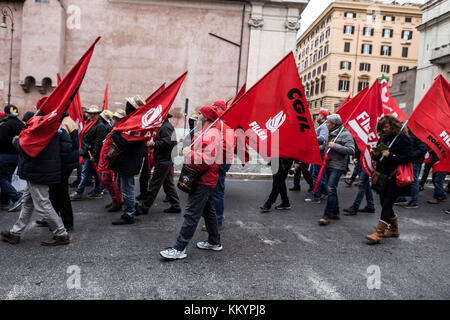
(403, 127)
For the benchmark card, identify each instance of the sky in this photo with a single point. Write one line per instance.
(315, 8)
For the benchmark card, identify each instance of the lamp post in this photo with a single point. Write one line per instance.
(7, 12)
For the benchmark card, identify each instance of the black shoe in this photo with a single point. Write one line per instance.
(401, 202)
(41, 223)
(140, 197)
(115, 207)
(350, 212)
(69, 228)
(124, 219)
(141, 210)
(283, 206)
(166, 200)
(264, 209)
(411, 205)
(295, 189)
(367, 209)
(172, 210)
(311, 188)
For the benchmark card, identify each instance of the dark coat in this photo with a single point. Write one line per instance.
(419, 147)
(69, 151)
(45, 168)
(93, 140)
(164, 143)
(129, 161)
(401, 152)
(9, 128)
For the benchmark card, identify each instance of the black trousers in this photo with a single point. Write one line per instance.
(162, 176)
(60, 199)
(279, 184)
(426, 171)
(304, 168)
(387, 205)
(143, 177)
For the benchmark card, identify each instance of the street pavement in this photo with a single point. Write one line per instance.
(275, 255)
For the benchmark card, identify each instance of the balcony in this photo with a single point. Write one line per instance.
(441, 55)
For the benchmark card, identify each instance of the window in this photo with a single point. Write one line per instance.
(388, 18)
(364, 67)
(385, 68)
(344, 85)
(314, 73)
(322, 85)
(327, 33)
(350, 15)
(408, 19)
(346, 65)
(347, 47)
(329, 19)
(362, 85)
(325, 50)
(405, 52)
(370, 17)
(402, 68)
(406, 35)
(309, 75)
(319, 70)
(322, 25)
(349, 29)
(388, 33)
(316, 43)
(320, 54)
(317, 87)
(324, 67)
(322, 37)
(366, 48)
(315, 57)
(386, 50)
(368, 32)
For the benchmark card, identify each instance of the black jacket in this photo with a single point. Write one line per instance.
(164, 143)
(9, 128)
(129, 161)
(419, 147)
(45, 168)
(69, 151)
(93, 140)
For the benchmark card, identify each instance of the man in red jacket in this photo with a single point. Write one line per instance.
(203, 158)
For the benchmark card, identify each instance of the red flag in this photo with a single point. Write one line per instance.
(38, 133)
(442, 165)
(105, 99)
(156, 93)
(390, 106)
(275, 115)
(363, 125)
(75, 111)
(430, 120)
(240, 93)
(144, 122)
(346, 109)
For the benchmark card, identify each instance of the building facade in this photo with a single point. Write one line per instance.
(222, 43)
(434, 55)
(403, 88)
(351, 44)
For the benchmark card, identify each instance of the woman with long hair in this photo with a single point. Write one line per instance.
(387, 161)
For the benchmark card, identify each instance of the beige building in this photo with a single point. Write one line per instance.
(351, 44)
(222, 43)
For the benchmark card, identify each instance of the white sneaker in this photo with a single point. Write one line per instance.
(173, 254)
(207, 246)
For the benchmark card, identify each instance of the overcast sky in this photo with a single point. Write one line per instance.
(316, 7)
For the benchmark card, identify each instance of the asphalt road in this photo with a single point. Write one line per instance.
(276, 255)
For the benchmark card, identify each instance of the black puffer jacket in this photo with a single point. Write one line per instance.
(419, 148)
(129, 161)
(9, 128)
(164, 143)
(69, 151)
(93, 140)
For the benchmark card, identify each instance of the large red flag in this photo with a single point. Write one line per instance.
(156, 93)
(75, 111)
(240, 93)
(363, 125)
(346, 109)
(390, 106)
(275, 115)
(144, 122)
(105, 99)
(430, 120)
(41, 129)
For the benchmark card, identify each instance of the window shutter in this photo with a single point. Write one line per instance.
(370, 49)
(371, 31)
(349, 66)
(353, 29)
(368, 69)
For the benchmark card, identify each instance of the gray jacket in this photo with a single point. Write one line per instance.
(343, 148)
(322, 136)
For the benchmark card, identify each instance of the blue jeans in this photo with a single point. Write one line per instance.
(126, 187)
(219, 192)
(200, 203)
(356, 171)
(86, 175)
(8, 163)
(332, 201)
(364, 189)
(438, 182)
(315, 169)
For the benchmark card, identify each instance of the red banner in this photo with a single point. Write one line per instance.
(156, 93)
(105, 99)
(348, 106)
(75, 111)
(390, 106)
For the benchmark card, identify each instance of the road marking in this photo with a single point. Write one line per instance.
(444, 226)
(322, 287)
(15, 292)
(411, 238)
(303, 238)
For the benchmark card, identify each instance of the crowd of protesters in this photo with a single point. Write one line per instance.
(107, 161)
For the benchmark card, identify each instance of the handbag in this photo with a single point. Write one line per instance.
(112, 154)
(188, 179)
(380, 181)
(405, 175)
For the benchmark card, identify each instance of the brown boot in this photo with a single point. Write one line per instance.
(9, 237)
(57, 241)
(392, 232)
(378, 234)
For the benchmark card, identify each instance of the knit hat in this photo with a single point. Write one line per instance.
(335, 118)
(209, 112)
(221, 104)
(11, 111)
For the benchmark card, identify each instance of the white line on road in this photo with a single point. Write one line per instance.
(322, 287)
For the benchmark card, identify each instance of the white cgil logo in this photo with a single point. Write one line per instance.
(274, 123)
(150, 117)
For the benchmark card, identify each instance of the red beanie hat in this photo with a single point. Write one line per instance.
(221, 104)
(2, 115)
(209, 112)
